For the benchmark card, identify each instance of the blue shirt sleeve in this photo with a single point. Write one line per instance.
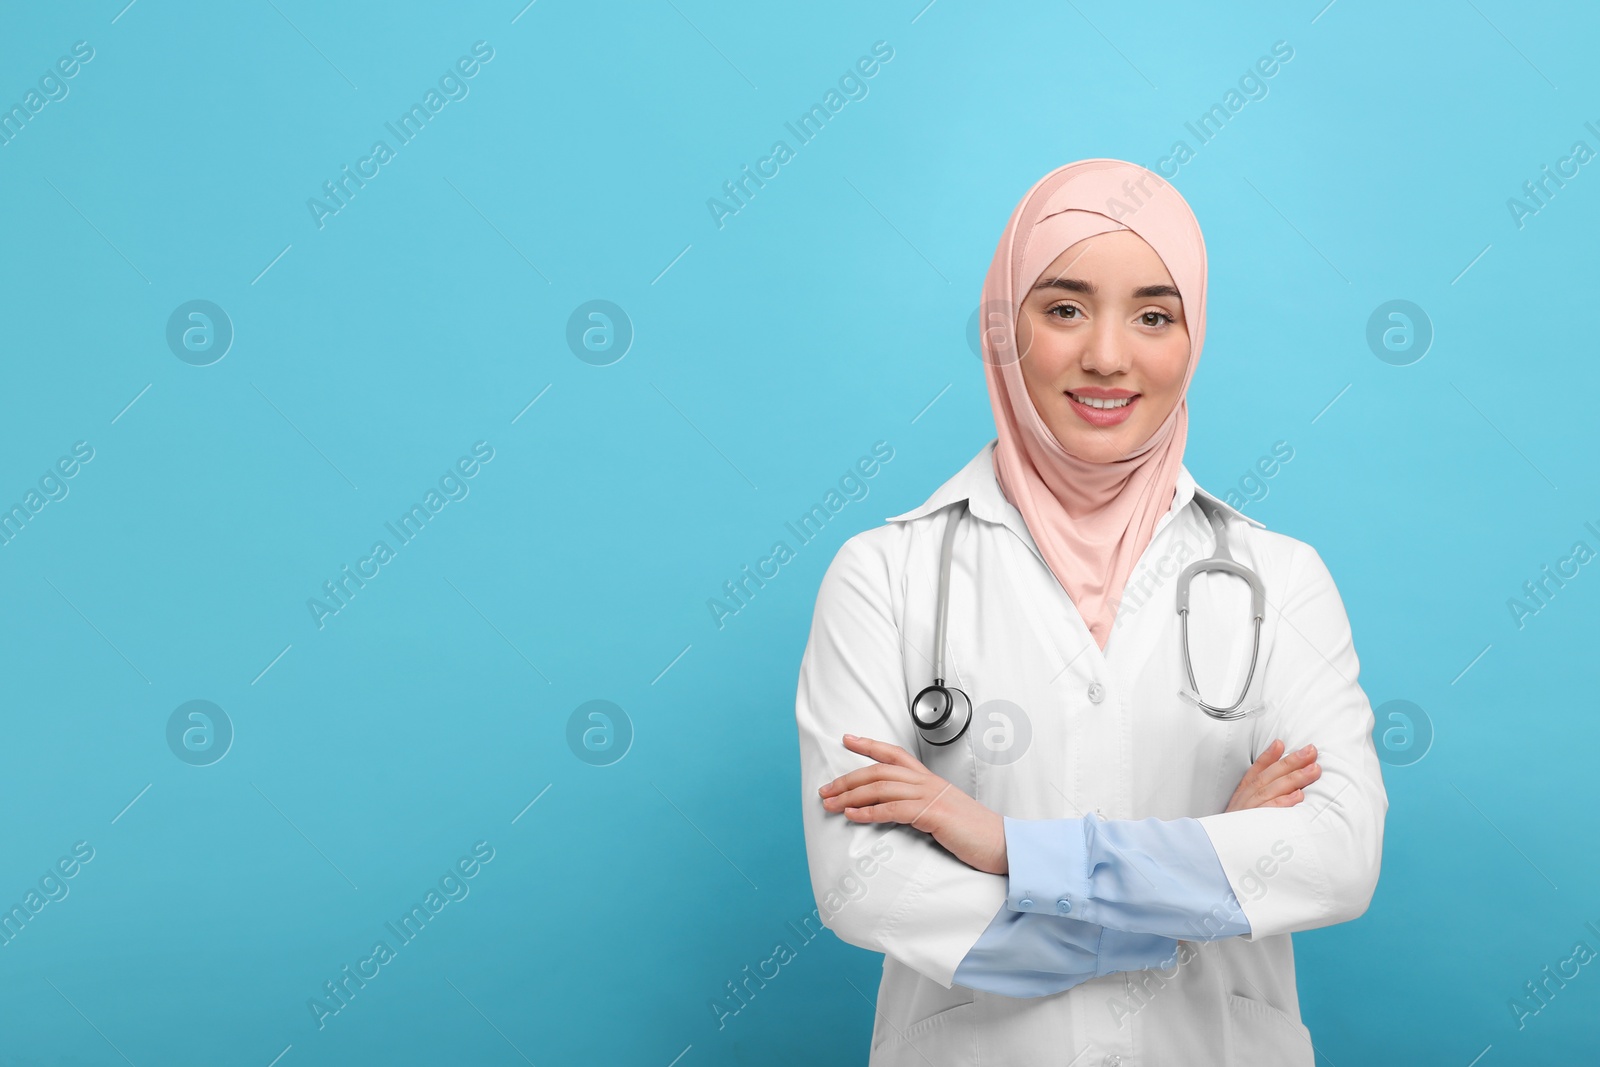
(1023, 954)
(1141, 876)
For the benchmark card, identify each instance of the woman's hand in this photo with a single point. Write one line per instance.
(1276, 783)
(898, 788)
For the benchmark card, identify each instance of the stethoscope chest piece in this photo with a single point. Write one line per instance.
(941, 713)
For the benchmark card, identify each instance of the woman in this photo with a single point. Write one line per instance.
(1097, 870)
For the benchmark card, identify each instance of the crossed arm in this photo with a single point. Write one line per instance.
(897, 788)
(1031, 949)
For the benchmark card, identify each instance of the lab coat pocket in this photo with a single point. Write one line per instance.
(944, 1038)
(1259, 1033)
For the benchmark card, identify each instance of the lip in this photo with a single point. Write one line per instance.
(1099, 417)
(1103, 394)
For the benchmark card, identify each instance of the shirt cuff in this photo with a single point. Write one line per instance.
(1048, 861)
(1148, 876)
(1122, 951)
(1030, 956)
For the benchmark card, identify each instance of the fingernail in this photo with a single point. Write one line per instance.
(849, 737)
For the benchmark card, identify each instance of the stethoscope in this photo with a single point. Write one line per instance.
(942, 713)
(1221, 560)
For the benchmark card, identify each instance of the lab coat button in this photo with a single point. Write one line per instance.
(1097, 692)
(1064, 904)
(1026, 902)
(1112, 1060)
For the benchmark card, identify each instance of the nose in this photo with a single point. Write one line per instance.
(1108, 351)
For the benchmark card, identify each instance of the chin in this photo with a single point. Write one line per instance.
(1097, 447)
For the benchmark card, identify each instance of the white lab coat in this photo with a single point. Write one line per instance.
(1109, 735)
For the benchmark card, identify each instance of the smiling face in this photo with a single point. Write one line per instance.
(1104, 325)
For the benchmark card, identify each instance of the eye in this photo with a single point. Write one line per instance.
(1064, 307)
(1159, 315)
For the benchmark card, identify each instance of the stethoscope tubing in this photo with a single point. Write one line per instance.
(1221, 560)
(954, 709)
(952, 702)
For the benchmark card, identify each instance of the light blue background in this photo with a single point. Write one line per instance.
(769, 355)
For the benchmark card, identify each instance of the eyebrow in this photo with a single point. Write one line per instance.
(1078, 285)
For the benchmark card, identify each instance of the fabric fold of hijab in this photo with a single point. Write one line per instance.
(1091, 520)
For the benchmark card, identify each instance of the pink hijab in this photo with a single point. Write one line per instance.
(1091, 521)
